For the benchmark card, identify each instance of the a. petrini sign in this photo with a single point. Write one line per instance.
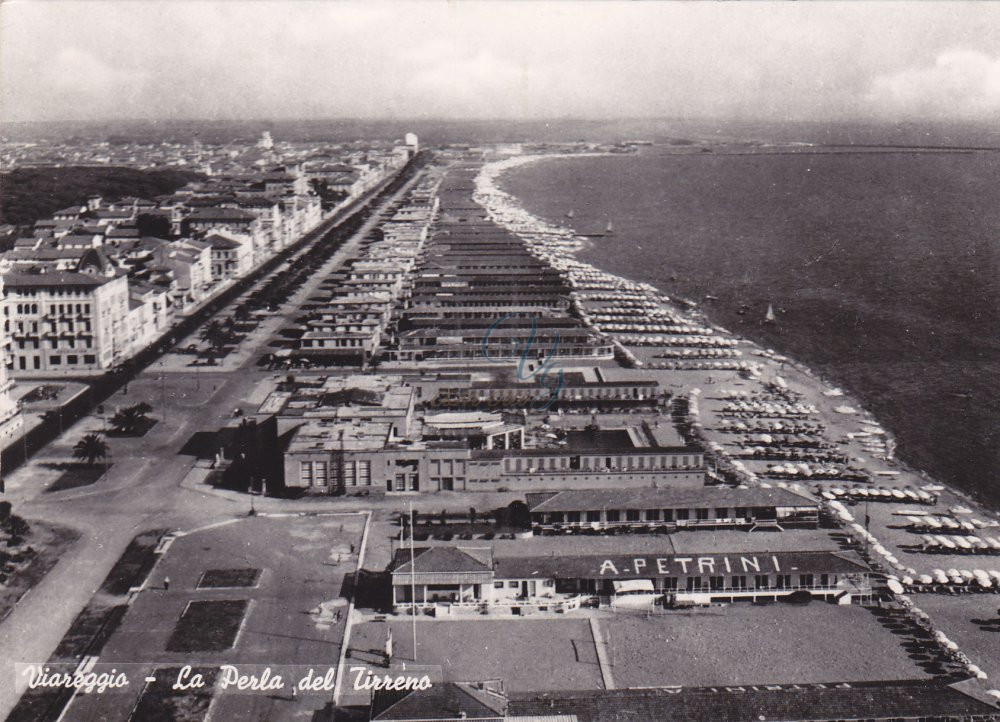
(678, 565)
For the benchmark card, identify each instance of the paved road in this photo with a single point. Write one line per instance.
(143, 489)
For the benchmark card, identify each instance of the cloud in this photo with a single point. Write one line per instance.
(960, 83)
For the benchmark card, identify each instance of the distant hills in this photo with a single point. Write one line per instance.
(31, 194)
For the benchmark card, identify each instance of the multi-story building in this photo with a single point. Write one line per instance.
(232, 257)
(65, 322)
(11, 421)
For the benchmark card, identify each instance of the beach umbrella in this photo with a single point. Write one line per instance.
(906, 581)
(925, 579)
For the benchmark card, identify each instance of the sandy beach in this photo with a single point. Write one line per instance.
(734, 386)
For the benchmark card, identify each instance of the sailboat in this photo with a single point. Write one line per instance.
(570, 213)
(610, 230)
(770, 317)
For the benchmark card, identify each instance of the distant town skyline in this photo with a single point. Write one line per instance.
(906, 61)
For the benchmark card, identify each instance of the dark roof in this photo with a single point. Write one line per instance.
(217, 241)
(220, 214)
(443, 701)
(645, 498)
(903, 699)
(443, 559)
(52, 278)
(645, 565)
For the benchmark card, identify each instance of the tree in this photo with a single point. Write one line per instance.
(214, 335)
(91, 448)
(149, 224)
(17, 528)
(132, 418)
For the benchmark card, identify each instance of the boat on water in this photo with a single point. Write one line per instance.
(570, 214)
(769, 317)
(610, 229)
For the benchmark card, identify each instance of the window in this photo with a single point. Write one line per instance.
(721, 513)
(498, 585)
(613, 515)
(742, 512)
(321, 473)
(668, 515)
(573, 516)
(632, 515)
(89, 358)
(716, 583)
(702, 514)
(512, 585)
(306, 472)
(652, 514)
(72, 359)
(670, 584)
(349, 476)
(761, 581)
(824, 580)
(593, 516)
(364, 473)
(784, 581)
(55, 360)
(694, 584)
(806, 580)
(683, 514)
(739, 582)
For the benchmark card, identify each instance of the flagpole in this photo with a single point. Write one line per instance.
(413, 586)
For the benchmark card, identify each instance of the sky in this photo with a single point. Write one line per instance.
(198, 59)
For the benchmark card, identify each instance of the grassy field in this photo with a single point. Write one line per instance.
(208, 626)
(25, 565)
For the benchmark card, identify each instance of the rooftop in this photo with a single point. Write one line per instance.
(646, 498)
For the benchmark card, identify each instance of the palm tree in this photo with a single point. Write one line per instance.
(91, 448)
(131, 418)
(214, 334)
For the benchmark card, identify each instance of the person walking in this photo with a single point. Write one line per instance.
(166, 583)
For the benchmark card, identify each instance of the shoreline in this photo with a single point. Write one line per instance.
(560, 244)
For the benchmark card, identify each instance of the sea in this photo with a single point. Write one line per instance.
(882, 264)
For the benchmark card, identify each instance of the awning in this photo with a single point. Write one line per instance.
(633, 585)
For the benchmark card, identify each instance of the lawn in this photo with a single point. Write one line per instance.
(23, 566)
(228, 578)
(208, 626)
(160, 703)
(77, 475)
